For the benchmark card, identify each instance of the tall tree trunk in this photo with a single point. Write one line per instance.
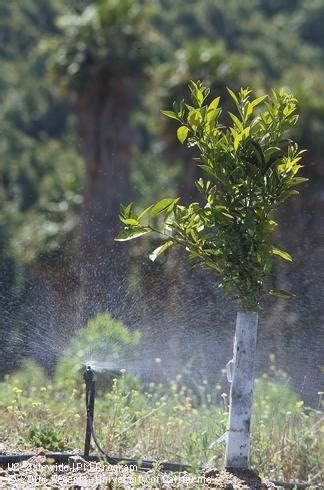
(104, 126)
(241, 396)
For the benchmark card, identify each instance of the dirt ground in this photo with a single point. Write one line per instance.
(40, 472)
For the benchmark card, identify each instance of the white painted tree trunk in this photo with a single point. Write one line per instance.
(241, 373)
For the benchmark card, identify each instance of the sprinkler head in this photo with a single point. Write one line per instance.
(88, 375)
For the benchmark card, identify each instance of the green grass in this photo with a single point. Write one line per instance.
(162, 422)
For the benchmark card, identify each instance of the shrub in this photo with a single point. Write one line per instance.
(102, 342)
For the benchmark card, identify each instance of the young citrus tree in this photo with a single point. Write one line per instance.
(247, 170)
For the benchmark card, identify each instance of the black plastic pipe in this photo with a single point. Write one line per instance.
(89, 379)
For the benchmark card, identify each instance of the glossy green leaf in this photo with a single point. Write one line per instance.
(214, 103)
(162, 205)
(129, 221)
(233, 95)
(249, 111)
(144, 212)
(212, 115)
(171, 115)
(281, 293)
(258, 100)
(208, 169)
(159, 250)
(236, 120)
(282, 253)
(130, 233)
(126, 211)
(298, 180)
(182, 133)
(195, 118)
(237, 138)
(199, 97)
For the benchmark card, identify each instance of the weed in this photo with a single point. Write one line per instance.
(45, 435)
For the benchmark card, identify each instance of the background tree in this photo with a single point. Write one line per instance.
(40, 173)
(101, 58)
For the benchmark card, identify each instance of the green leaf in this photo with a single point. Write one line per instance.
(214, 103)
(129, 221)
(199, 97)
(237, 122)
(162, 205)
(208, 170)
(193, 85)
(288, 193)
(171, 115)
(223, 210)
(159, 250)
(271, 224)
(182, 133)
(281, 253)
(130, 233)
(237, 139)
(211, 115)
(298, 180)
(144, 212)
(200, 186)
(281, 293)
(232, 94)
(209, 263)
(257, 150)
(194, 118)
(126, 211)
(249, 111)
(258, 100)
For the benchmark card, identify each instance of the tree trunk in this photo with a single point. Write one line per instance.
(103, 112)
(241, 396)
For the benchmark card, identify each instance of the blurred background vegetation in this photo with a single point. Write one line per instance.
(82, 86)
